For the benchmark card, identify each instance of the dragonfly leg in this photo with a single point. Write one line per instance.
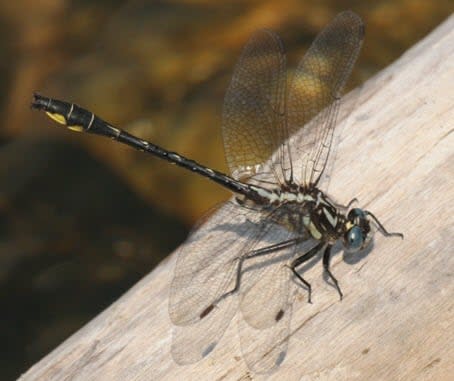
(346, 207)
(239, 271)
(382, 228)
(326, 262)
(300, 260)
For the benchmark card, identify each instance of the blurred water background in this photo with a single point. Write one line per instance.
(81, 218)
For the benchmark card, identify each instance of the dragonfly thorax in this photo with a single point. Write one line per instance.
(310, 210)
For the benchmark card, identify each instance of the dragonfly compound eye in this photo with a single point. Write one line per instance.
(354, 239)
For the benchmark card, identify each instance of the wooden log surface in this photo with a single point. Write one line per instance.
(396, 321)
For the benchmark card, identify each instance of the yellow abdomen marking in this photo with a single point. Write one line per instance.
(76, 128)
(59, 118)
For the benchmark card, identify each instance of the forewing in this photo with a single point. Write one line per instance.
(254, 105)
(207, 262)
(206, 269)
(315, 93)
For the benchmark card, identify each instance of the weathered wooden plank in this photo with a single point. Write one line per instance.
(396, 154)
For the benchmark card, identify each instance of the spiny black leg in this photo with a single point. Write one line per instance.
(300, 260)
(239, 272)
(254, 254)
(326, 262)
(306, 283)
(382, 228)
(352, 201)
(346, 207)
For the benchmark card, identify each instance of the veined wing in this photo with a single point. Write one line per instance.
(264, 334)
(266, 279)
(315, 92)
(206, 264)
(254, 106)
(265, 349)
(205, 270)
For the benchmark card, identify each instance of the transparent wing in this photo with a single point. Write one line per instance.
(315, 92)
(206, 269)
(192, 343)
(266, 278)
(206, 264)
(254, 105)
(265, 349)
(264, 343)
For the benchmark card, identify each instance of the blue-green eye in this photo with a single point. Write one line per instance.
(354, 238)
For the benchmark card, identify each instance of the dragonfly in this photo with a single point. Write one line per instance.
(248, 255)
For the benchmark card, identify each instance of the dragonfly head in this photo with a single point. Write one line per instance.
(357, 231)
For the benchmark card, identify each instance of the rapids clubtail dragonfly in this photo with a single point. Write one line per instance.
(247, 255)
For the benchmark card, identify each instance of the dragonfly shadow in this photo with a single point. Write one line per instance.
(353, 258)
(209, 349)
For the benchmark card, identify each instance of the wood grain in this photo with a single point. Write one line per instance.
(396, 321)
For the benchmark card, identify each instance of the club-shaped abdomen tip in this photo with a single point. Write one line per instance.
(54, 109)
(39, 102)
